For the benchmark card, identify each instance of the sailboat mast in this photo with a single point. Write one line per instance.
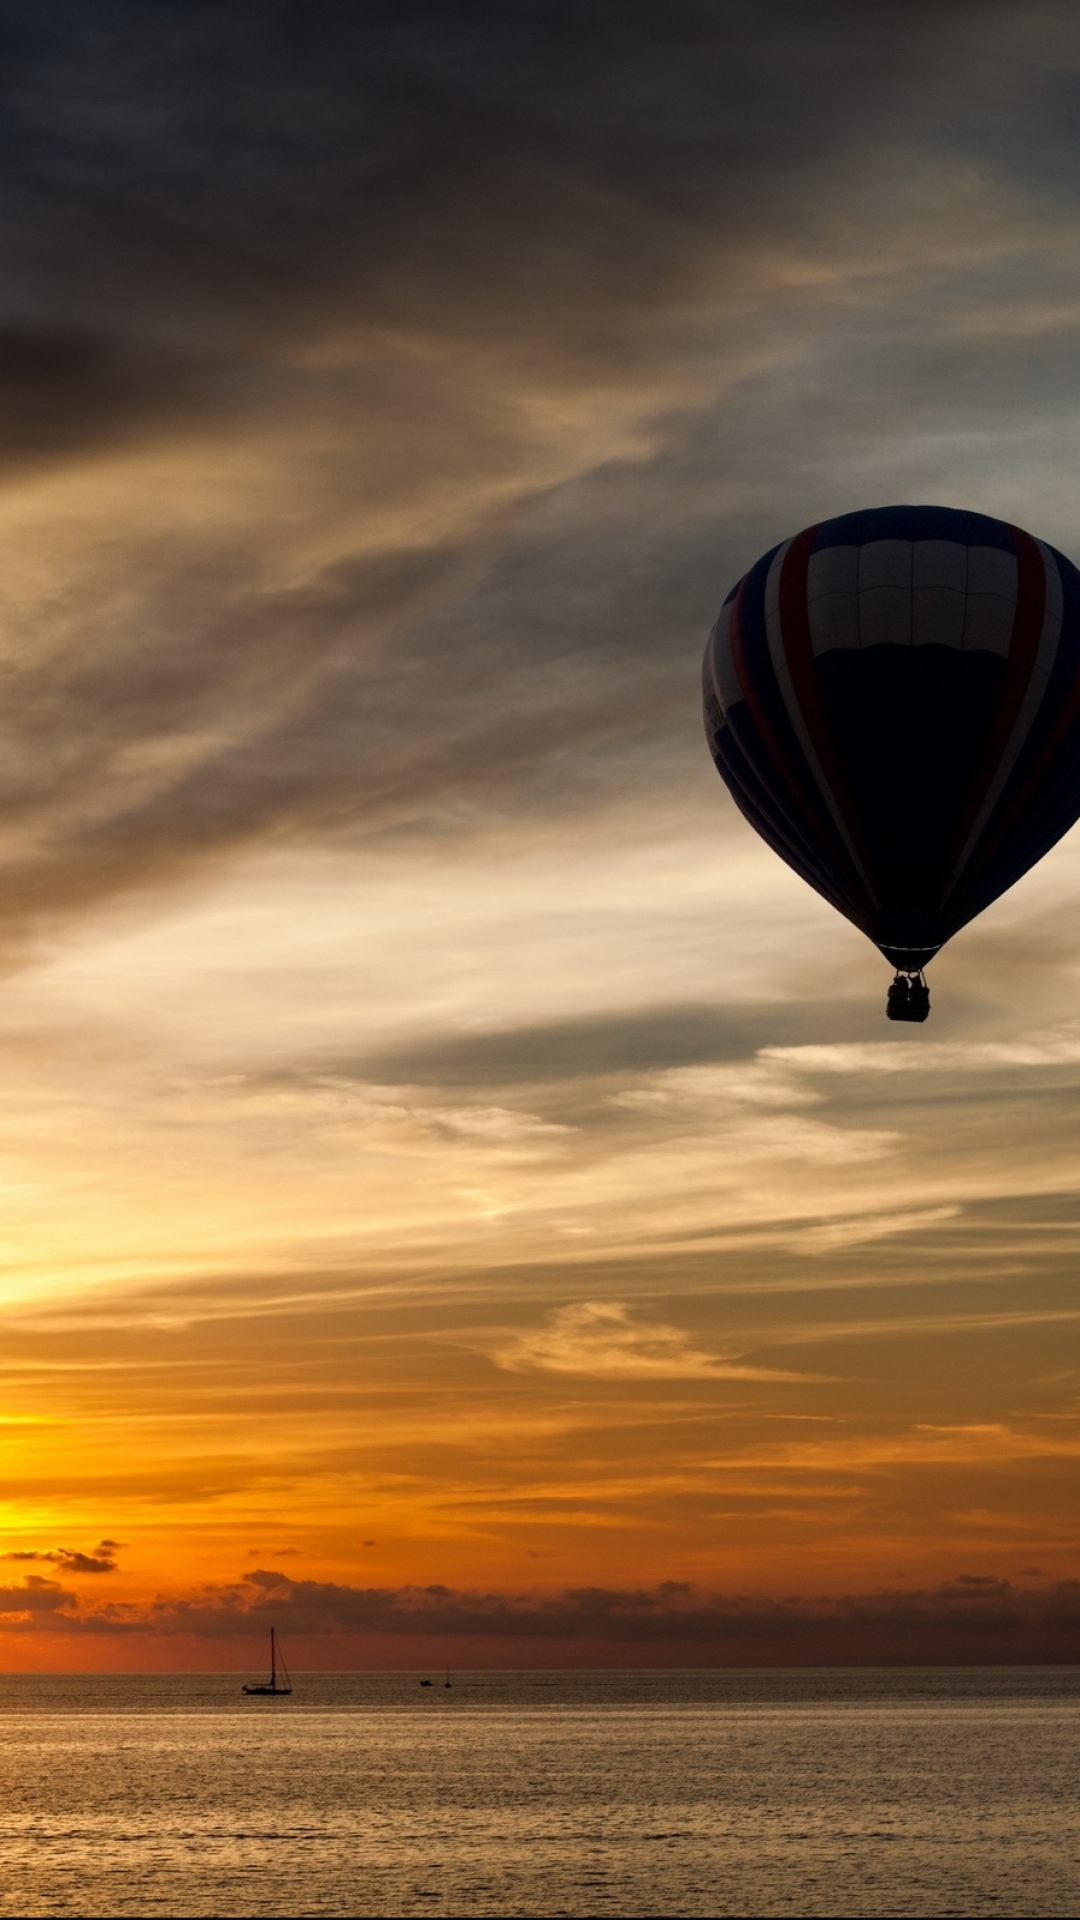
(273, 1659)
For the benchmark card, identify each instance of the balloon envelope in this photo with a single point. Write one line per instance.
(893, 698)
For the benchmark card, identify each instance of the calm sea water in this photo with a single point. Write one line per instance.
(934, 1792)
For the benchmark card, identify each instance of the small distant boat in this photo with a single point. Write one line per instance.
(427, 1683)
(446, 1682)
(273, 1686)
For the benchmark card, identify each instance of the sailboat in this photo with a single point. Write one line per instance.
(277, 1666)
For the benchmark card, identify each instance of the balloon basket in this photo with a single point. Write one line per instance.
(909, 998)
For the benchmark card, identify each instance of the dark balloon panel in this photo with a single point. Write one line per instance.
(893, 698)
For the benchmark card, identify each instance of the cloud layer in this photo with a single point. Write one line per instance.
(439, 1146)
(970, 1620)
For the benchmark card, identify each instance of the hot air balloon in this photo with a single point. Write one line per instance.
(893, 699)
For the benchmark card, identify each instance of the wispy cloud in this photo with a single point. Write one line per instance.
(859, 1229)
(1056, 1048)
(599, 1338)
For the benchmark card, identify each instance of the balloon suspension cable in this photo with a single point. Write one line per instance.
(909, 997)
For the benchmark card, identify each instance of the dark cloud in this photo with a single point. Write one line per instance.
(38, 1602)
(379, 252)
(66, 389)
(72, 1560)
(244, 150)
(973, 1619)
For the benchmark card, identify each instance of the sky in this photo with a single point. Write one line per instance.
(461, 1200)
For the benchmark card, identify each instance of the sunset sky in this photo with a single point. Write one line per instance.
(461, 1198)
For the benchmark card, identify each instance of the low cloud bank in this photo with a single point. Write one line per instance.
(972, 1620)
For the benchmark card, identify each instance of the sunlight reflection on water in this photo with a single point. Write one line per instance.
(638, 1794)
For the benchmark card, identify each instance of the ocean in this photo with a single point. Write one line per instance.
(845, 1793)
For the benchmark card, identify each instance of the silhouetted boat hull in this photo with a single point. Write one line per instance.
(272, 1689)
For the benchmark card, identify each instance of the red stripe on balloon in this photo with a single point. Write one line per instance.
(762, 724)
(780, 763)
(1019, 666)
(757, 712)
(799, 652)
